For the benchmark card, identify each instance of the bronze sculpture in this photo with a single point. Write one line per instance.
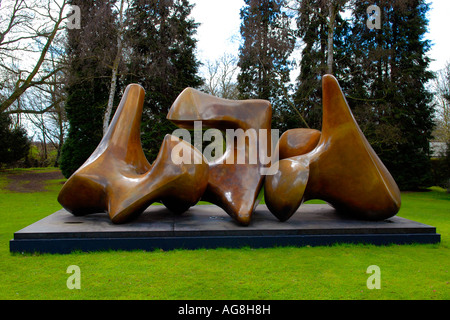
(336, 165)
(343, 169)
(118, 179)
(295, 142)
(233, 186)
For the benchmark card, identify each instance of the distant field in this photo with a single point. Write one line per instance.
(334, 272)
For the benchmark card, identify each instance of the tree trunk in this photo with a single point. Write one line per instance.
(115, 69)
(44, 141)
(330, 53)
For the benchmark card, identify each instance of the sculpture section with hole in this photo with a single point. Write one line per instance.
(233, 184)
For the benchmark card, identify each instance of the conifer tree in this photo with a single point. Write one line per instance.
(383, 73)
(14, 142)
(160, 39)
(264, 61)
(90, 51)
(320, 27)
(388, 91)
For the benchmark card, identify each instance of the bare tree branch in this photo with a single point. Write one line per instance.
(221, 77)
(45, 110)
(29, 81)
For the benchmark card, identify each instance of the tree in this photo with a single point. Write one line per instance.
(14, 142)
(90, 50)
(115, 67)
(52, 124)
(264, 63)
(31, 64)
(161, 44)
(383, 73)
(386, 87)
(441, 133)
(333, 8)
(221, 77)
(321, 30)
(27, 29)
(441, 87)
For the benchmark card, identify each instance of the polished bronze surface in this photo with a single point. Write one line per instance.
(337, 165)
(343, 169)
(233, 186)
(295, 142)
(118, 179)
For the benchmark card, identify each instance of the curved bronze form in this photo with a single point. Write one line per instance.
(118, 179)
(343, 169)
(295, 142)
(233, 186)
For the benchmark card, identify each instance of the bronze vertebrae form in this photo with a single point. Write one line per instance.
(337, 164)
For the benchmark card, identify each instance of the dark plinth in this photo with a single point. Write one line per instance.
(208, 226)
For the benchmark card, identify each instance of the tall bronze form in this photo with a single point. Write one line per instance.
(342, 169)
(233, 186)
(118, 179)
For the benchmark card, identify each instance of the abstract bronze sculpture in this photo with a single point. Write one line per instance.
(233, 186)
(336, 165)
(343, 169)
(118, 179)
(295, 142)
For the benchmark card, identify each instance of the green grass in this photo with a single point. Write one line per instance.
(335, 272)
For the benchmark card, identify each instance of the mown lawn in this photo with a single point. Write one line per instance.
(335, 272)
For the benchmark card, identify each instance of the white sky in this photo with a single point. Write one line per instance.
(220, 22)
(218, 32)
(439, 29)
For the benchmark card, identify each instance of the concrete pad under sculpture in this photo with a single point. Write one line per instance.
(208, 226)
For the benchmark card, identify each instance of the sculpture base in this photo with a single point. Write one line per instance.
(208, 226)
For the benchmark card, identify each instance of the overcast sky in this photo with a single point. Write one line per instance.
(218, 32)
(220, 23)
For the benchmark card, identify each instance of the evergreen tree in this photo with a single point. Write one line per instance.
(161, 41)
(319, 31)
(90, 51)
(264, 56)
(14, 142)
(386, 87)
